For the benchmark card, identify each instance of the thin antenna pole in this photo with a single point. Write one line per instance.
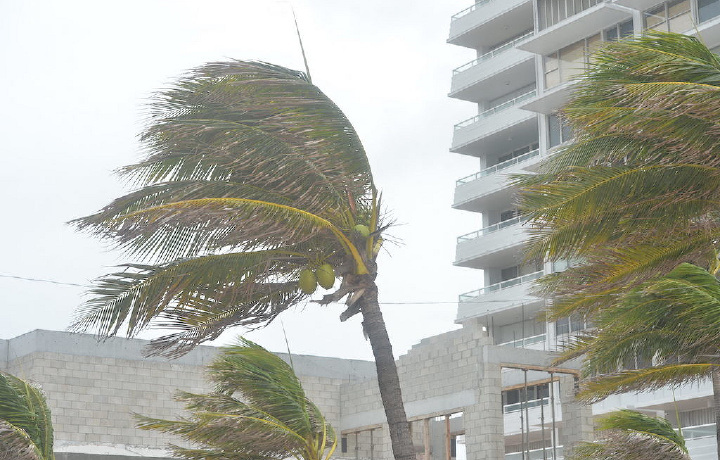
(287, 345)
(302, 48)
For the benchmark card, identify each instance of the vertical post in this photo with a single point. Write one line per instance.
(372, 445)
(448, 440)
(553, 439)
(426, 437)
(542, 426)
(527, 415)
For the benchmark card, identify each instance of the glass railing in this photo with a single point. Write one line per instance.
(500, 286)
(700, 431)
(524, 342)
(522, 405)
(536, 454)
(498, 167)
(468, 10)
(491, 54)
(496, 109)
(490, 229)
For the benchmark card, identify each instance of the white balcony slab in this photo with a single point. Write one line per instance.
(552, 100)
(708, 31)
(490, 22)
(505, 303)
(492, 77)
(640, 5)
(491, 132)
(492, 249)
(576, 27)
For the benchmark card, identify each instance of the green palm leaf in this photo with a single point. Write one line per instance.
(25, 424)
(259, 411)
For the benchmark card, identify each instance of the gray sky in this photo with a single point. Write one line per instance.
(77, 73)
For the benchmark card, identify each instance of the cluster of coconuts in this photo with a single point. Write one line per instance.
(324, 275)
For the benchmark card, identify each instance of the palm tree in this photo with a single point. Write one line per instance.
(633, 202)
(630, 435)
(635, 194)
(26, 431)
(254, 187)
(672, 321)
(258, 411)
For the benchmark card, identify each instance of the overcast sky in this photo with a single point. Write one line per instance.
(76, 75)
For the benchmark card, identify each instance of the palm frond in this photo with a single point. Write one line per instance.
(259, 411)
(26, 417)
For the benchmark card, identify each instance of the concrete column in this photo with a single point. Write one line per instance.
(484, 427)
(577, 419)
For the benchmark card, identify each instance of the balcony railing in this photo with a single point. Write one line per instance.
(524, 342)
(468, 10)
(500, 286)
(493, 53)
(498, 167)
(537, 454)
(496, 109)
(522, 405)
(491, 229)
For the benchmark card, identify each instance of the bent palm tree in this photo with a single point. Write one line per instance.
(259, 410)
(630, 435)
(253, 179)
(25, 427)
(633, 198)
(636, 194)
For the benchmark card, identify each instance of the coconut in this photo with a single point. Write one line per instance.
(308, 282)
(325, 276)
(362, 230)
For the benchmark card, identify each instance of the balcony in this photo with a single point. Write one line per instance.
(497, 298)
(584, 24)
(502, 70)
(535, 342)
(708, 31)
(480, 190)
(492, 245)
(537, 454)
(488, 22)
(488, 130)
(551, 100)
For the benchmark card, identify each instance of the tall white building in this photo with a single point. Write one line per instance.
(527, 53)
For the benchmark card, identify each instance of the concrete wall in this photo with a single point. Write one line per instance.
(94, 388)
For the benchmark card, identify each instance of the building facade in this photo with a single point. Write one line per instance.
(528, 52)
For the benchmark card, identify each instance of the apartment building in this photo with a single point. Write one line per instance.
(528, 51)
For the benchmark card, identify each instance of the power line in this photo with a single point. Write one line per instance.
(40, 280)
(452, 302)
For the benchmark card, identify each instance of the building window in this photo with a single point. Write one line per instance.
(708, 9)
(570, 61)
(551, 12)
(670, 17)
(536, 394)
(618, 31)
(559, 131)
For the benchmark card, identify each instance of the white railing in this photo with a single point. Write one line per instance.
(491, 229)
(524, 342)
(496, 109)
(499, 286)
(498, 167)
(468, 10)
(522, 405)
(491, 54)
(700, 431)
(537, 454)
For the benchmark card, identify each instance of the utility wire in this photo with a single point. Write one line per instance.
(61, 283)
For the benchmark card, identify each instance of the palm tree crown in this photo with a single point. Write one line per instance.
(258, 411)
(254, 188)
(26, 431)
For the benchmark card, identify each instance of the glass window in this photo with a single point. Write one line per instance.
(626, 29)
(708, 9)
(655, 18)
(558, 131)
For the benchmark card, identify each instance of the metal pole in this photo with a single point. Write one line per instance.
(542, 426)
(527, 414)
(552, 411)
(522, 429)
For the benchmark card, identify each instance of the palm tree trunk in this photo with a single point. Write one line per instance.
(388, 380)
(715, 373)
